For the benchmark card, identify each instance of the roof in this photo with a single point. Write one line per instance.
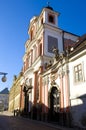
(5, 91)
(80, 40)
(49, 7)
(79, 46)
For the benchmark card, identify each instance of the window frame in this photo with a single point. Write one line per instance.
(78, 73)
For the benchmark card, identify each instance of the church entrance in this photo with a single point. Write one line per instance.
(54, 105)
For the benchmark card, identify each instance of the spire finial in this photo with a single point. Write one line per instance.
(48, 3)
(48, 6)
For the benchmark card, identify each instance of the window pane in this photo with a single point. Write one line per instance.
(79, 67)
(78, 73)
(80, 76)
(75, 68)
(76, 77)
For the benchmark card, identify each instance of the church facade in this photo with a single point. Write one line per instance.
(51, 69)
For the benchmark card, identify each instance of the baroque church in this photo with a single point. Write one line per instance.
(51, 85)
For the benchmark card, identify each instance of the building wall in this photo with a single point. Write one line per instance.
(15, 92)
(42, 83)
(4, 99)
(39, 30)
(78, 90)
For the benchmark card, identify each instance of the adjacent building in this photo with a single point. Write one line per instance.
(64, 86)
(15, 93)
(4, 99)
(77, 83)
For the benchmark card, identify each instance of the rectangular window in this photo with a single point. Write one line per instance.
(51, 18)
(78, 73)
(52, 43)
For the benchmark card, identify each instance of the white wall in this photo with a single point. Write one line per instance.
(78, 92)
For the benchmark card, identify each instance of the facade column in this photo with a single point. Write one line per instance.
(67, 91)
(62, 94)
(45, 99)
(40, 84)
(68, 122)
(35, 86)
(61, 100)
(46, 102)
(20, 98)
(43, 96)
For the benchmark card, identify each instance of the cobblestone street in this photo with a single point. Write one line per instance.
(9, 122)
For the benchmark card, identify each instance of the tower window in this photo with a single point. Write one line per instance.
(51, 18)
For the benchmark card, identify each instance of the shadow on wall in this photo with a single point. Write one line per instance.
(78, 112)
(76, 117)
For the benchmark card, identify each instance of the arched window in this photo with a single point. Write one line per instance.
(42, 21)
(31, 35)
(51, 18)
(40, 50)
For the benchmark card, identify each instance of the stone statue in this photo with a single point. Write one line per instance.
(56, 53)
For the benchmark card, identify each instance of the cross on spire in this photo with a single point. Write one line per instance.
(48, 3)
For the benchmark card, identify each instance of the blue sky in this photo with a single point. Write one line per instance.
(15, 16)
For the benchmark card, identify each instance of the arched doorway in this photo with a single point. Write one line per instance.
(54, 104)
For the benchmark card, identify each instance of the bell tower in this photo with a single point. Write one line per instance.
(50, 16)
